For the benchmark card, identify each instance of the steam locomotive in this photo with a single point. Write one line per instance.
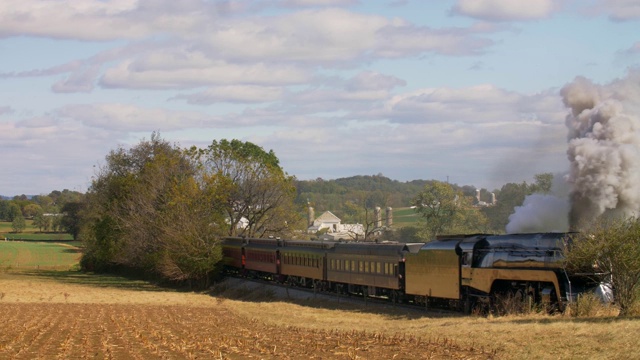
(463, 271)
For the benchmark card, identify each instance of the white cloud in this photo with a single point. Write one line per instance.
(185, 46)
(60, 154)
(130, 118)
(305, 3)
(476, 104)
(102, 20)
(342, 35)
(234, 94)
(619, 10)
(164, 72)
(505, 10)
(5, 110)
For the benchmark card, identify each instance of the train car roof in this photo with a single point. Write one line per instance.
(316, 244)
(370, 248)
(532, 240)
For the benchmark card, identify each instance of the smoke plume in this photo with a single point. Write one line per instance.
(604, 148)
(543, 212)
(604, 154)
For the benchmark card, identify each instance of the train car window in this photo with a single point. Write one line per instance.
(366, 266)
(378, 267)
(353, 266)
(395, 270)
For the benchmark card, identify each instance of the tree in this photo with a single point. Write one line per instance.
(259, 196)
(70, 221)
(543, 183)
(149, 209)
(14, 210)
(31, 210)
(445, 210)
(4, 210)
(18, 224)
(611, 247)
(509, 196)
(41, 222)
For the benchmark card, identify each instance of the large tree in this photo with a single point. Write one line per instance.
(18, 224)
(260, 195)
(445, 210)
(148, 209)
(71, 219)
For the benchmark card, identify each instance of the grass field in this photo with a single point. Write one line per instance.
(35, 255)
(30, 233)
(69, 314)
(405, 217)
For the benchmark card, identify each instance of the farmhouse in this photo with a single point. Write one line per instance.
(335, 230)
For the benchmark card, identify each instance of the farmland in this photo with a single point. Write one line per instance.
(67, 314)
(31, 233)
(36, 255)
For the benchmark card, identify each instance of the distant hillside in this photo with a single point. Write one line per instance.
(375, 190)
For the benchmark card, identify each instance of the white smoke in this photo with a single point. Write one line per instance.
(604, 155)
(539, 213)
(543, 212)
(604, 148)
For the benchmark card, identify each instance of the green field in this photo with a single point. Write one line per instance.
(405, 217)
(30, 233)
(38, 255)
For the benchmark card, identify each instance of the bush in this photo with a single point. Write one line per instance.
(590, 305)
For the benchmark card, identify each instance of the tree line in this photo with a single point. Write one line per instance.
(46, 211)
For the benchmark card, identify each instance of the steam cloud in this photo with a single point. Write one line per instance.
(604, 148)
(604, 154)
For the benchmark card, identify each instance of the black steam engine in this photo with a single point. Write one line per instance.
(459, 271)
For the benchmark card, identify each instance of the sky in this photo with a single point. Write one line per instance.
(465, 91)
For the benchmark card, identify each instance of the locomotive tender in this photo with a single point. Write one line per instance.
(460, 271)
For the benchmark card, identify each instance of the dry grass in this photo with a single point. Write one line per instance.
(51, 318)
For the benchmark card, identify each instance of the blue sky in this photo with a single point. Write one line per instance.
(465, 90)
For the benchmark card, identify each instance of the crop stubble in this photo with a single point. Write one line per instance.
(138, 331)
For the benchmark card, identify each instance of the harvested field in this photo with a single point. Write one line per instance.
(46, 319)
(77, 316)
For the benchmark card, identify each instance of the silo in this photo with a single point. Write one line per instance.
(378, 216)
(389, 215)
(311, 216)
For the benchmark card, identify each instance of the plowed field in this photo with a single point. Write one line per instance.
(47, 319)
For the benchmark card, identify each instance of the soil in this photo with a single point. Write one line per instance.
(45, 319)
